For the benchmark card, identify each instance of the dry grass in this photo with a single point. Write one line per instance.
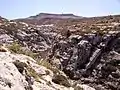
(17, 48)
(46, 64)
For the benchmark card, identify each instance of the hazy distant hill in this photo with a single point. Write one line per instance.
(54, 16)
(48, 18)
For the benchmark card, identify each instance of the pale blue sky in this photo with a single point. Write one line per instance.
(12, 9)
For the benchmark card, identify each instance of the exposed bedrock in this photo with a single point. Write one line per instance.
(90, 56)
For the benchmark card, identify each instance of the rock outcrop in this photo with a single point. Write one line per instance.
(86, 59)
(20, 72)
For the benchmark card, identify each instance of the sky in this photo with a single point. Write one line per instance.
(13, 9)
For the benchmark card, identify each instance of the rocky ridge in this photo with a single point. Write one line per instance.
(86, 52)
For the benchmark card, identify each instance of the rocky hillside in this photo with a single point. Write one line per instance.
(20, 72)
(85, 51)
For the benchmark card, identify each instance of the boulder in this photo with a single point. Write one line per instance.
(10, 77)
(4, 38)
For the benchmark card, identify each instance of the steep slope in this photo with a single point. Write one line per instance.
(21, 72)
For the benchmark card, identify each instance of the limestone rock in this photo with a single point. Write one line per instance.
(10, 77)
(83, 87)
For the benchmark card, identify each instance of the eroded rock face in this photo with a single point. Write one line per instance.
(24, 73)
(84, 51)
(37, 39)
(4, 38)
(10, 77)
(89, 58)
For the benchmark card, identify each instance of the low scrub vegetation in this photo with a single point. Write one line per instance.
(46, 64)
(17, 48)
(31, 72)
(21, 66)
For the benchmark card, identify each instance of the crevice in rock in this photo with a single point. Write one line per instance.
(88, 61)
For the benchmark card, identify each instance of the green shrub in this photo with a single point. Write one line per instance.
(15, 48)
(60, 79)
